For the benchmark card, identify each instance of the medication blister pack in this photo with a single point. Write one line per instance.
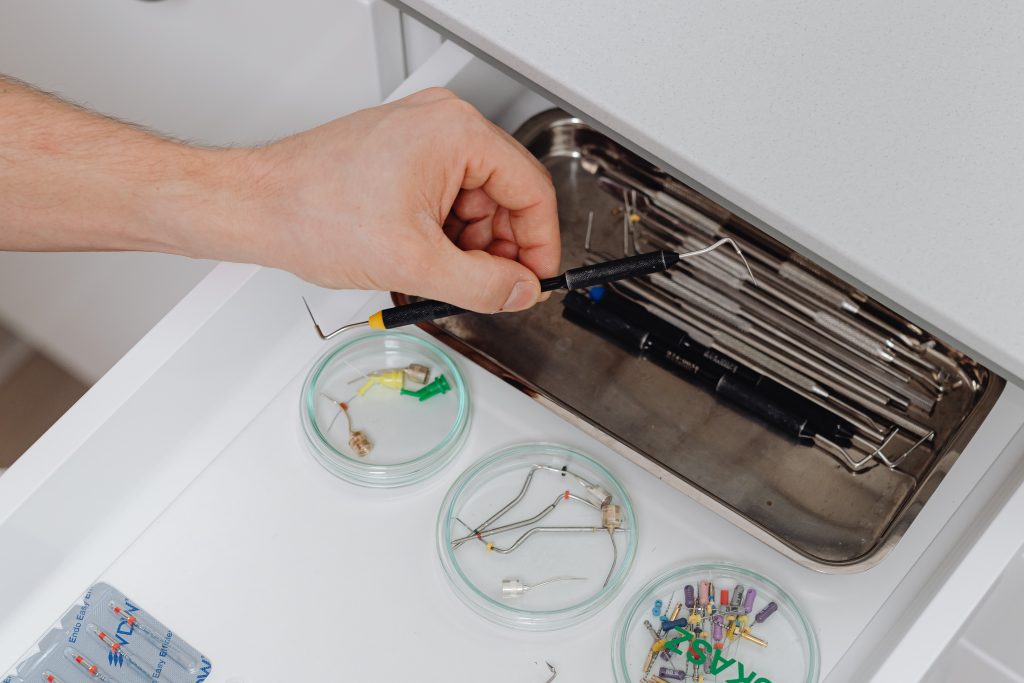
(107, 637)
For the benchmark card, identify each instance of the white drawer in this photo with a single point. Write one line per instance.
(223, 526)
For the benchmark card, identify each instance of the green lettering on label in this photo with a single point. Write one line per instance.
(673, 644)
(740, 678)
(687, 635)
(699, 651)
(720, 663)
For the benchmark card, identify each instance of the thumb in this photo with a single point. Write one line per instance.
(482, 282)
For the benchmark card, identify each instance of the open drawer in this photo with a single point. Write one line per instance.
(196, 424)
(962, 480)
(907, 402)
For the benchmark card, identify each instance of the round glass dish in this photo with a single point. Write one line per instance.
(789, 652)
(409, 420)
(507, 575)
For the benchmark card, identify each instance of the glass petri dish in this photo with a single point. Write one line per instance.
(394, 438)
(789, 653)
(517, 575)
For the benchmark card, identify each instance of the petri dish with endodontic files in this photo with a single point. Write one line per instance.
(714, 622)
(537, 537)
(385, 409)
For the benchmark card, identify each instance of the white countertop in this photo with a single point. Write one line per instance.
(886, 138)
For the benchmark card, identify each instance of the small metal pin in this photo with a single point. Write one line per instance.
(625, 222)
(649, 662)
(611, 519)
(754, 639)
(731, 243)
(320, 332)
(513, 588)
(553, 672)
(634, 218)
(590, 229)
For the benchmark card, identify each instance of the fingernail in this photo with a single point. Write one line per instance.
(524, 294)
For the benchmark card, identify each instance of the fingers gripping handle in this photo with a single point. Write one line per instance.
(576, 278)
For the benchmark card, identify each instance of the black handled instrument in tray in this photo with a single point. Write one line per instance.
(575, 278)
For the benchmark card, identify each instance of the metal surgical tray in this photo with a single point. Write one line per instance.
(802, 500)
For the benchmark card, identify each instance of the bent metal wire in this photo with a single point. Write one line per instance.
(595, 496)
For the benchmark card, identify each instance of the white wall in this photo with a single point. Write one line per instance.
(225, 72)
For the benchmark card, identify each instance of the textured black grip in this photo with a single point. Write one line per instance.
(745, 396)
(550, 284)
(620, 269)
(419, 312)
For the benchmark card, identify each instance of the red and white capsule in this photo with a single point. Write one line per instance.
(88, 667)
(122, 614)
(174, 652)
(104, 638)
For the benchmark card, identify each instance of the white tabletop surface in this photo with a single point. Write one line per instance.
(886, 138)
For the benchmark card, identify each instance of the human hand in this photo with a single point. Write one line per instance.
(422, 196)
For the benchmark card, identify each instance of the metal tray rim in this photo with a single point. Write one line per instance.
(897, 528)
(903, 516)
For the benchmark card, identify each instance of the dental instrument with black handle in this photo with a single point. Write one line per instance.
(575, 278)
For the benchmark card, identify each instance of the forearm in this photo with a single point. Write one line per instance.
(74, 180)
(422, 195)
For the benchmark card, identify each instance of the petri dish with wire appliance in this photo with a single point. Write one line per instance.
(714, 622)
(384, 409)
(536, 536)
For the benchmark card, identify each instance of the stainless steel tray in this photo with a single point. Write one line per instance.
(797, 499)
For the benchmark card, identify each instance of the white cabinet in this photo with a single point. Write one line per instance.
(223, 504)
(220, 72)
(215, 500)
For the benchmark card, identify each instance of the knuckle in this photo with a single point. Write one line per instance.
(428, 95)
(549, 187)
(489, 299)
(458, 109)
(489, 293)
(440, 93)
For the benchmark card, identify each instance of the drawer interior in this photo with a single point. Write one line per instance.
(914, 400)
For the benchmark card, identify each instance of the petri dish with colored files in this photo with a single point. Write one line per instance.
(714, 622)
(384, 409)
(537, 536)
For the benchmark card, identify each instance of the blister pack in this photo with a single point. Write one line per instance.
(107, 637)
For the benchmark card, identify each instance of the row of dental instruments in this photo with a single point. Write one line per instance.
(791, 324)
